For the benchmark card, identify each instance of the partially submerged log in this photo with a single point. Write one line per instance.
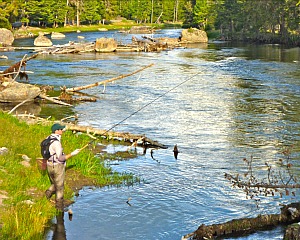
(141, 140)
(51, 99)
(64, 96)
(75, 89)
(126, 137)
(289, 214)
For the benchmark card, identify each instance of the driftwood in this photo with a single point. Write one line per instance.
(70, 48)
(289, 214)
(126, 137)
(54, 100)
(106, 81)
(70, 99)
(123, 136)
(17, 66)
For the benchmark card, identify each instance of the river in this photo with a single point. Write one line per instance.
(219, 102)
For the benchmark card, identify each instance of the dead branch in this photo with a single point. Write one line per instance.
(27, 100)
(12, 69)
(243, 184)
(106, 81)
(54, 100)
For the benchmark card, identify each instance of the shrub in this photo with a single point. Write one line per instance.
(4, 23)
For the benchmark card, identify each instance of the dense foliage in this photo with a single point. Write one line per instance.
(260, 19)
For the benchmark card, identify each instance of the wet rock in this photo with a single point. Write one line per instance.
(141, 29)
(57, 35)
(6, 37)
(193, 35)
(105, 45)
(42, 41)
(18, 92)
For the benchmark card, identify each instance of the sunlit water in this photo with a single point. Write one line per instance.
(218, 102)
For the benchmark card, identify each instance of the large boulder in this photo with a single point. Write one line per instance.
(6, 37)
(57, 35)
(42, 41)
(193, 35)
(15, 92)
(105, 45)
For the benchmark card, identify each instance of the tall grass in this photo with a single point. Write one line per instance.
(26, 212)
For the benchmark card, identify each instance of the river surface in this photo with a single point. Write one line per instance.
(219, 102)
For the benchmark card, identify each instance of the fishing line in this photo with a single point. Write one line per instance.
(146, 105)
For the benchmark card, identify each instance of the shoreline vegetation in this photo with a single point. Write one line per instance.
(22, 199)
(213, 34)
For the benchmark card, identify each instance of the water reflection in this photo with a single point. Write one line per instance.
(58, 230)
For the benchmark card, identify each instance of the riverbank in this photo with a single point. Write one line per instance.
(25, 32)
(24, 210)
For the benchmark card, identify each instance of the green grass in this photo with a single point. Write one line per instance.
(93, 28)
(26, 212)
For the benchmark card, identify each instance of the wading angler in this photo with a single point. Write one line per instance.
(56, 164)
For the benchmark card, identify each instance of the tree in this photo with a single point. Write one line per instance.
(200, 13)
(91, 11)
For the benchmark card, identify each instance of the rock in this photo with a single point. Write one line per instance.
(57, 35)
(105, 45)
(141, 29)
(18, 92)
(102, 29)
(42, 41)
(3, 150)
(193, 35)
(6, 37)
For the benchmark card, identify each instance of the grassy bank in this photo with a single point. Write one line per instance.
(24, 211)
(126, 25)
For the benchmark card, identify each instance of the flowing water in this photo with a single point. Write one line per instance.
(219, 102)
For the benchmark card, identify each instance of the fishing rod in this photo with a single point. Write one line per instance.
(140, 109)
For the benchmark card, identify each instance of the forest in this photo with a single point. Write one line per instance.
(267, 21)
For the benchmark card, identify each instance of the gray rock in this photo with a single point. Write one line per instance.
(42, 41)
(6, 37)
(57, 35)
(105, 45)
(193, 35)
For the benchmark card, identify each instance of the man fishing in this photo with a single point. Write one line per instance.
(56, 166)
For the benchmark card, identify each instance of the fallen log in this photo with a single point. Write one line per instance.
(126, 137)
(122, 136)
(289, 214)
(75, 89)
(54, 100)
